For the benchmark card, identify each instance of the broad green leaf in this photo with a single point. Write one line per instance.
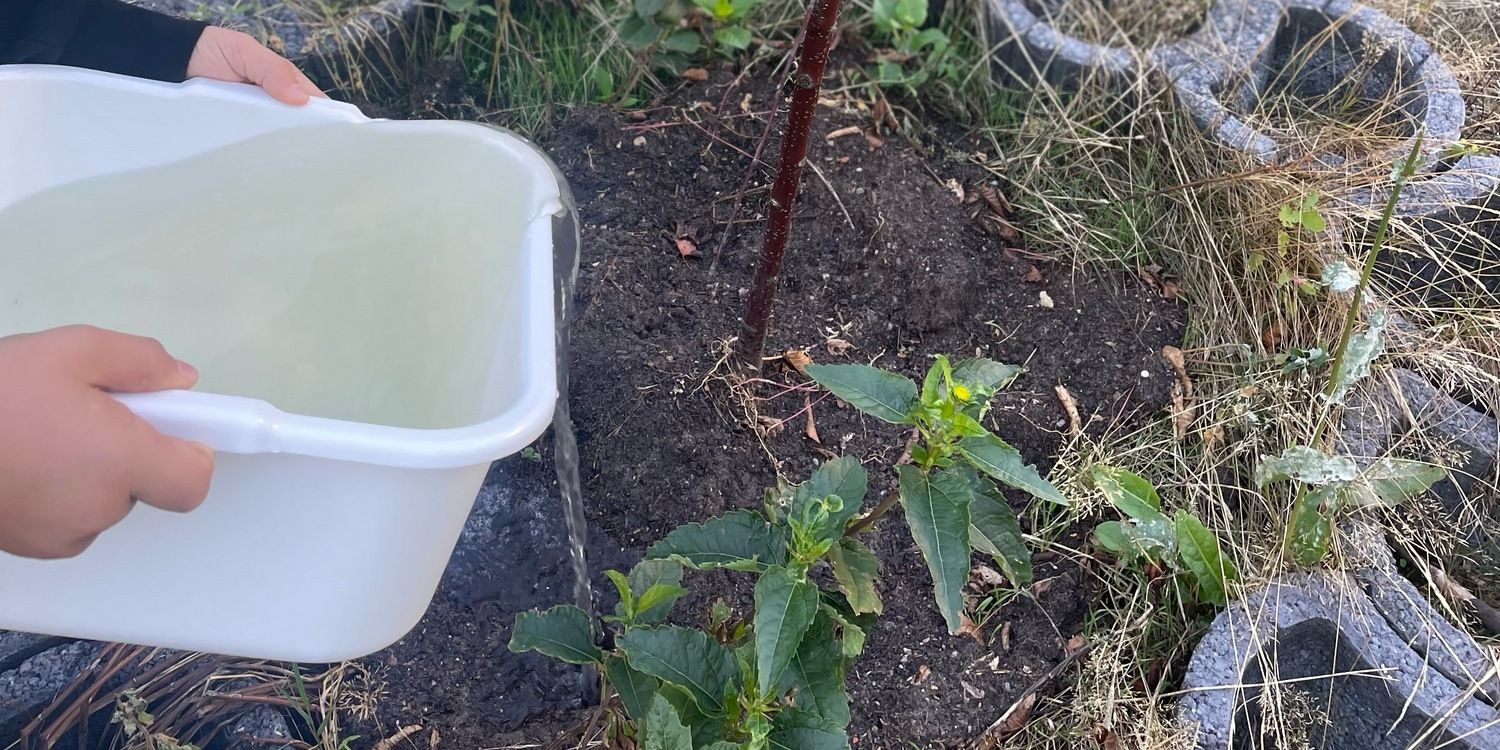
(739, 540)
(801, 730)
(705, 728)
(1291, 216)
(563, 632)
(664, 729)
(1128, 492)
(1300, 463)
(709, 5)
(784, 609)
(844, 477)
(656, 603)
(634, 688)
(937, 510)
(964, 425)
(1394, 480)
(1312, 220)
(1339, 277)
(934, 385)
(664, 577)
(1200, 552)
(622, 586)
(1157, 537)
(649, 8)
(911, 13)
(936, 39)
(855, 627)
(985, 374)
(817, 675)
(993, 529)
(733, 37)
(1117, 539)
(856, 568)
(686, 42)
(884, 12)
(724, 745)
(883, 395)
(684, 657)
(1363, 349)
(639, 33)
(1309, 528)
(998, 459)
(1310, 200)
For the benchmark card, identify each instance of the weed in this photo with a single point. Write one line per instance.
(916, 54)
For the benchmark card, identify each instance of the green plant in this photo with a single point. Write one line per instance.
(775, 679)
(1298, 219)
(465, 17)
(1326, 483)
(1180, 543)
(948, 493)
(653, 30)
(730, 34)
(916, 54)
(136, 723)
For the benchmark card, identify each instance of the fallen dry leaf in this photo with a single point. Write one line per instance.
(400, 736)
(955, 187)
(798, 359)
(841, 160)
(1075, 424)
(1034, 276)
(995, 200)
(1170, 289)
(1272, 336)
(686, 247)
(1182, 412)
(1015, 718)
(1106, 738)
(769, 426)
(986, 576)
(1005, 636)
(873, 141)
(745, 103)
(967, 627)
(811, 431)
(837, 345)
(889, 55)
(695, 74)
(841, 132)
(1073, 644)
(636, 115)
(435, 740)
(923, 672)
(1041, 587)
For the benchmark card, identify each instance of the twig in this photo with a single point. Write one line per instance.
(1075, 423)
(832, 192)
(990, 738)
(401, 734)
(891, 498)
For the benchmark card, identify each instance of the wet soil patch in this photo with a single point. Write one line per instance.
(886, 265)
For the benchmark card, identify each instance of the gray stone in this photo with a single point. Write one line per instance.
(1321, 636)
(28, 688)
(16, 648)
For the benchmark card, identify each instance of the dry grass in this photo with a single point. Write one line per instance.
(1102, 177)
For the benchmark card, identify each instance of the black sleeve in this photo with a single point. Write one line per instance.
(106, 35)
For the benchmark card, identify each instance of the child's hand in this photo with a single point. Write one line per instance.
(73, 461)
(225, 55)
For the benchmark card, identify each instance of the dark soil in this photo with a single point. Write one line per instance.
(664, 442)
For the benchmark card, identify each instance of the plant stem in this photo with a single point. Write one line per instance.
(807, 81)
(890, 500)
(1408, 168)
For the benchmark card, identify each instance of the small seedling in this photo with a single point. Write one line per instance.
(916, 54)
(1180, 543)
(730, 34)
(653, 30)
(775, 679)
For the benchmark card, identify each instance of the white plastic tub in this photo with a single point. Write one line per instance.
(370, 304)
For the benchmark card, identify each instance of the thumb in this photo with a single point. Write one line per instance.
(278, 76)
(122, 363)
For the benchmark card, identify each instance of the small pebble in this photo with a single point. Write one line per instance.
(1145, 373)
(1045, 300)
(639, 141)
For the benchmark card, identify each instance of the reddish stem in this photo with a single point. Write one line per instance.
(807, 81)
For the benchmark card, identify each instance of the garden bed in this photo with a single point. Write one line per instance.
(886, 265)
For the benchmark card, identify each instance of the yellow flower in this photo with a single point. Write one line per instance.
(961, 393)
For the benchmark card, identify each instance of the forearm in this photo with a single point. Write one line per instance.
(106, 35)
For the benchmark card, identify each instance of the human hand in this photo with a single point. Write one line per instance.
(226, 55)
(74, 461)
